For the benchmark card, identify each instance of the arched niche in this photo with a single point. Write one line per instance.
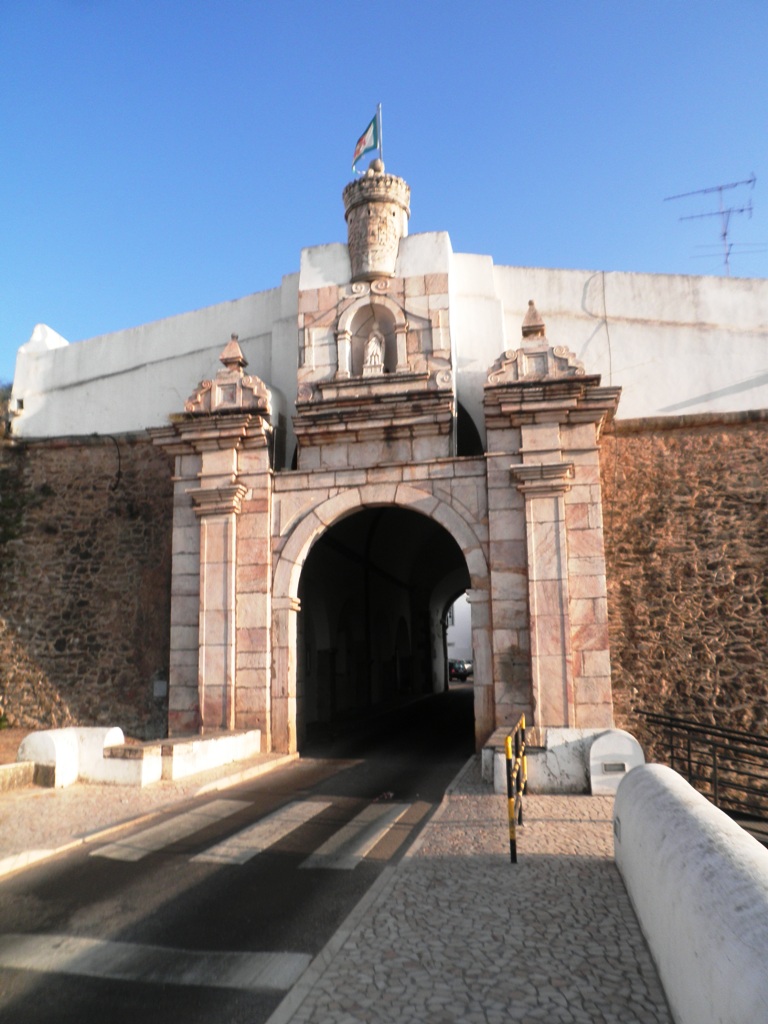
(370, 313)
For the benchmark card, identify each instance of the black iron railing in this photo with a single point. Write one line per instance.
(727, 766)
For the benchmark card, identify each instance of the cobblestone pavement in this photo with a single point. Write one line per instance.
(457, 933)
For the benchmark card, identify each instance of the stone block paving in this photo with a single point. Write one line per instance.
(456, 933)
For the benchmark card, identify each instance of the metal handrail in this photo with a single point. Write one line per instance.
(727, 766)
(517, 778)
(711, 730)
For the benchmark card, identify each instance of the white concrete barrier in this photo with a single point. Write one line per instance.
(566, 760)
(699, 886)
(613, 754)
(57, 748)
(74, 753)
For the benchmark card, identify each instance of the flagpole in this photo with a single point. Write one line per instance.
(381, 137)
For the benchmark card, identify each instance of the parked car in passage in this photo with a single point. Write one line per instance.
(458, 669)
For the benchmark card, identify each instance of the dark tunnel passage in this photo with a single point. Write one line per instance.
(375, 591)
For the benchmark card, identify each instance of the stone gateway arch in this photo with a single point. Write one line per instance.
(306, 592)
(415, 605)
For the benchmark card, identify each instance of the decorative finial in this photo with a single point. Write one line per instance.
(231, 391)
(233, 355)
(533, 325)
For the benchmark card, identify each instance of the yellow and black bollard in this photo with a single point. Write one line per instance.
(511, 800)
(516, 779)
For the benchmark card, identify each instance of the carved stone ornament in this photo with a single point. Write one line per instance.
(377, 211)
(231, 390)
(443, 379)
(537, 359)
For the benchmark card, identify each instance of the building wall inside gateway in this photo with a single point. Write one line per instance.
(459, 636)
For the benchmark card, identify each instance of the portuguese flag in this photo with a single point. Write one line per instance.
(368, 140)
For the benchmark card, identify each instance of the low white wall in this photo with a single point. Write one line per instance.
(699, 886)
(188, 757)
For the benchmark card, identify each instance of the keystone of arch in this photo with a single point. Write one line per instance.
(416, 499)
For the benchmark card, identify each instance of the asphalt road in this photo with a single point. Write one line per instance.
(213, 913)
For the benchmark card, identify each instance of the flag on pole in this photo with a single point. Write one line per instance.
(368, 140)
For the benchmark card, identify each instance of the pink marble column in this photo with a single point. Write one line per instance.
(217, 508)
(544, 487)
(284, 632)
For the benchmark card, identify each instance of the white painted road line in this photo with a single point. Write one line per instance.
(265, 833)
(149, 840)
(347, 847)
(123, 961)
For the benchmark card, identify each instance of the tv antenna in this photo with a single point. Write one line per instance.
(724, 213)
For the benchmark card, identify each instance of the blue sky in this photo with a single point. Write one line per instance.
(161, 156)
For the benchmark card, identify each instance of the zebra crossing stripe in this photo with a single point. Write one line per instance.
(138, 845)
(265, 833)
(347, 847)
(342, 852)
(123, 961)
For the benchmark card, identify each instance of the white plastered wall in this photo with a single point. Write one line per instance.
(139, 377)
(676, 345)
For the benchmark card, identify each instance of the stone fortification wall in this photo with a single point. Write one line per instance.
(85, 547)
(686, 533)
(85, 575)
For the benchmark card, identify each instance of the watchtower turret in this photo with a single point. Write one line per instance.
(377, 208)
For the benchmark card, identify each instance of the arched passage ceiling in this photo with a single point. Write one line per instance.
(407, 547)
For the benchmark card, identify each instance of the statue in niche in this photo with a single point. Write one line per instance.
(373, 362)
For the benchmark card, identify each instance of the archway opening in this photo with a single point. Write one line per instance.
(374, 591)
(458, 640)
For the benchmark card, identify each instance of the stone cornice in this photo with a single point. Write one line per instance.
(217, 500)
(365, 390)
(543, 479)
(196, 433)
(566, 400)
(379, 415)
